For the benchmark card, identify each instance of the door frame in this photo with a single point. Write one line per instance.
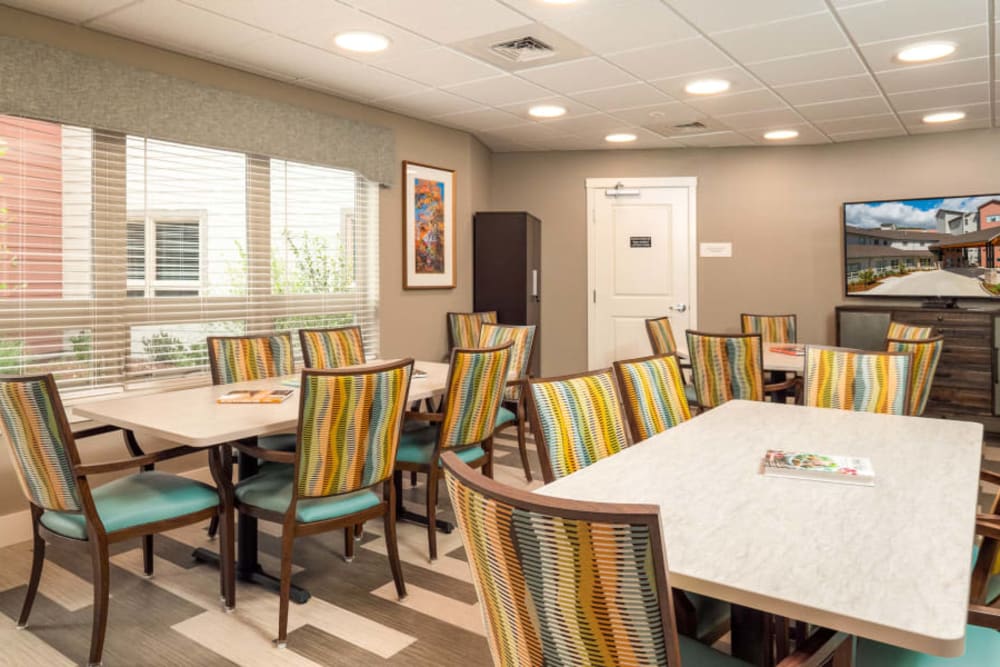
(690, 183)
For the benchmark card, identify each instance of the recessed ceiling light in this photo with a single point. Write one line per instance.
(363, 42)
(780, 135)
(918, 53)
(620, 138)
(707, 86)
(547, 111)
(944, 117)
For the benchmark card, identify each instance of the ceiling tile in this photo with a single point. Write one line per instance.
(970, 42)
(970, 124)
(445, 21)
(886, 121)
(573, 108)
(715, 139)
(955, 73)
(740, 81)
(501, 144)
(867, 134)
(829, 90)
(890, 19)
(428, 103)
(484, 119)
(930, 99)
(439, 67)
(783, 39)
(811, 67)
(622, 97)
(758, 119)
(596, 123)
(671, 112)
(532, 133)
(506, 89)
(667, 60)
(754, 100)
(75, 12)
(577, 75)
(177, 26)
(865, 106)
(361, 82)
(282, 57)
(808, 135)
(718, 15)
(973, 112)
(607, 27)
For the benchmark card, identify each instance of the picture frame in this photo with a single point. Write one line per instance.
(428, 226)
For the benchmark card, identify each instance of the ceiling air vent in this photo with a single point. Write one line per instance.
(693, 126)
(523, 49)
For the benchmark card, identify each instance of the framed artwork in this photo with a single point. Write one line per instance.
(428, 227)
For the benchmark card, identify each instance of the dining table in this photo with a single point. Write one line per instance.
(890, 562)
(776, 357)
(194, 417)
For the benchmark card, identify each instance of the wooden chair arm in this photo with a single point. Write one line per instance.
(988, 525)
(989, 476)
(94, 430)
(274, 456)
(780, 386)
(817, 649)
(413, 415)
(987, 617)
(83, 470)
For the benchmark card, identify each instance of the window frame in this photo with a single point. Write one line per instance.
(150, 283)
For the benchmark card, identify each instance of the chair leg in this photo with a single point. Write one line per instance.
(220, 464)
(359, 531)
(147, 555)
(488, 466)
(522, 443)
(349, 543)
(213, 527)
(37, 562)
(287, 540)
(390, 543)
(432, 489)
(99, 559)
(413, 478)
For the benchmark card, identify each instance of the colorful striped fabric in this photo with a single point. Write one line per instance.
(900, 331)
(332, 348)
(476, 380)
(772, 328)
(926, 354)
(563, 591)
(661, 335)
(464, 328)
(28, 413)
(856, 380)
(242, 358)
(350, 429)
(726, 367)
(523, 338)
(579, 420)
(653, 392)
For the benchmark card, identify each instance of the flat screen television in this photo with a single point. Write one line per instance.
(941, 248)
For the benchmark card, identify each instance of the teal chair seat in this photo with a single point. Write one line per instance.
(982, 647)
(136, 500)
(696, 653)
(271, 489)
(280, 442)
(418, 447)
(690, 394)
(993, 586)
(505, 416)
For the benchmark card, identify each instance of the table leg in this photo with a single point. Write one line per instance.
(752, 632)
(403, 514)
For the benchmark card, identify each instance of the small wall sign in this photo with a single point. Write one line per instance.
(640, 241)
(716, 250)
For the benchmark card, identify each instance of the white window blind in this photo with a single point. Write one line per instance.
(120, 254)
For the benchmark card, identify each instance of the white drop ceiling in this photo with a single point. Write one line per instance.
(823, 67)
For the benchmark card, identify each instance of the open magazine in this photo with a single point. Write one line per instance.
(255, 396)
(791, 349)
(805, 465)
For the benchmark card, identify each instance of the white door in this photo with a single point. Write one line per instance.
(641, 262)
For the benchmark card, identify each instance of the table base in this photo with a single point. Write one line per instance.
(296, 594)
(403, 514)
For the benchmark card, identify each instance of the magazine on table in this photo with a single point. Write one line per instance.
(255, 396)
(821, 467)
(792, 349)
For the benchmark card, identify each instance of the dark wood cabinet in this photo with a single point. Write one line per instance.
(507, 277)
(965, 382)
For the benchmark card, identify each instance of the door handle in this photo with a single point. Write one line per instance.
(679, 307)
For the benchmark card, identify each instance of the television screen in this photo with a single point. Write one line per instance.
(943, 247)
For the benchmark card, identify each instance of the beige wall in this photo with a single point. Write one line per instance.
(413, 322)
(779, 206)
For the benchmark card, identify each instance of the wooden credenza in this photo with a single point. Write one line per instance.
(965, 382)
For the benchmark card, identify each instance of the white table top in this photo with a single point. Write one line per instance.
(890, 562)
(192, 416)
(773, 361)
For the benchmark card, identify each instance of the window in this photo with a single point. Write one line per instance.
(120, 254)
(993, 218)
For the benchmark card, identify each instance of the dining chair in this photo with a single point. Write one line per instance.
(348, 435)
(728, 367)
(563, 582)
(65, 508)
(926, 354)
(332, 348)
(652, 389)
(464, 328)
(523, 345)
(465, 425)
(577, 420)
(901, 331)
(857, 380)
(661, 335)
(772, 328)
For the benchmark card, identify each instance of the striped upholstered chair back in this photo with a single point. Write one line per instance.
(40, 441)
(577, 420)
(606, 563)
(926, 354)
(772, 328)
(476, 381)
(900, 331)
(652, 389)
(523, 342)
(349, 426)
(726, 367)
(857, 380)
(242, 358)
(661, 335)
(464, 328)
(332, 348)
